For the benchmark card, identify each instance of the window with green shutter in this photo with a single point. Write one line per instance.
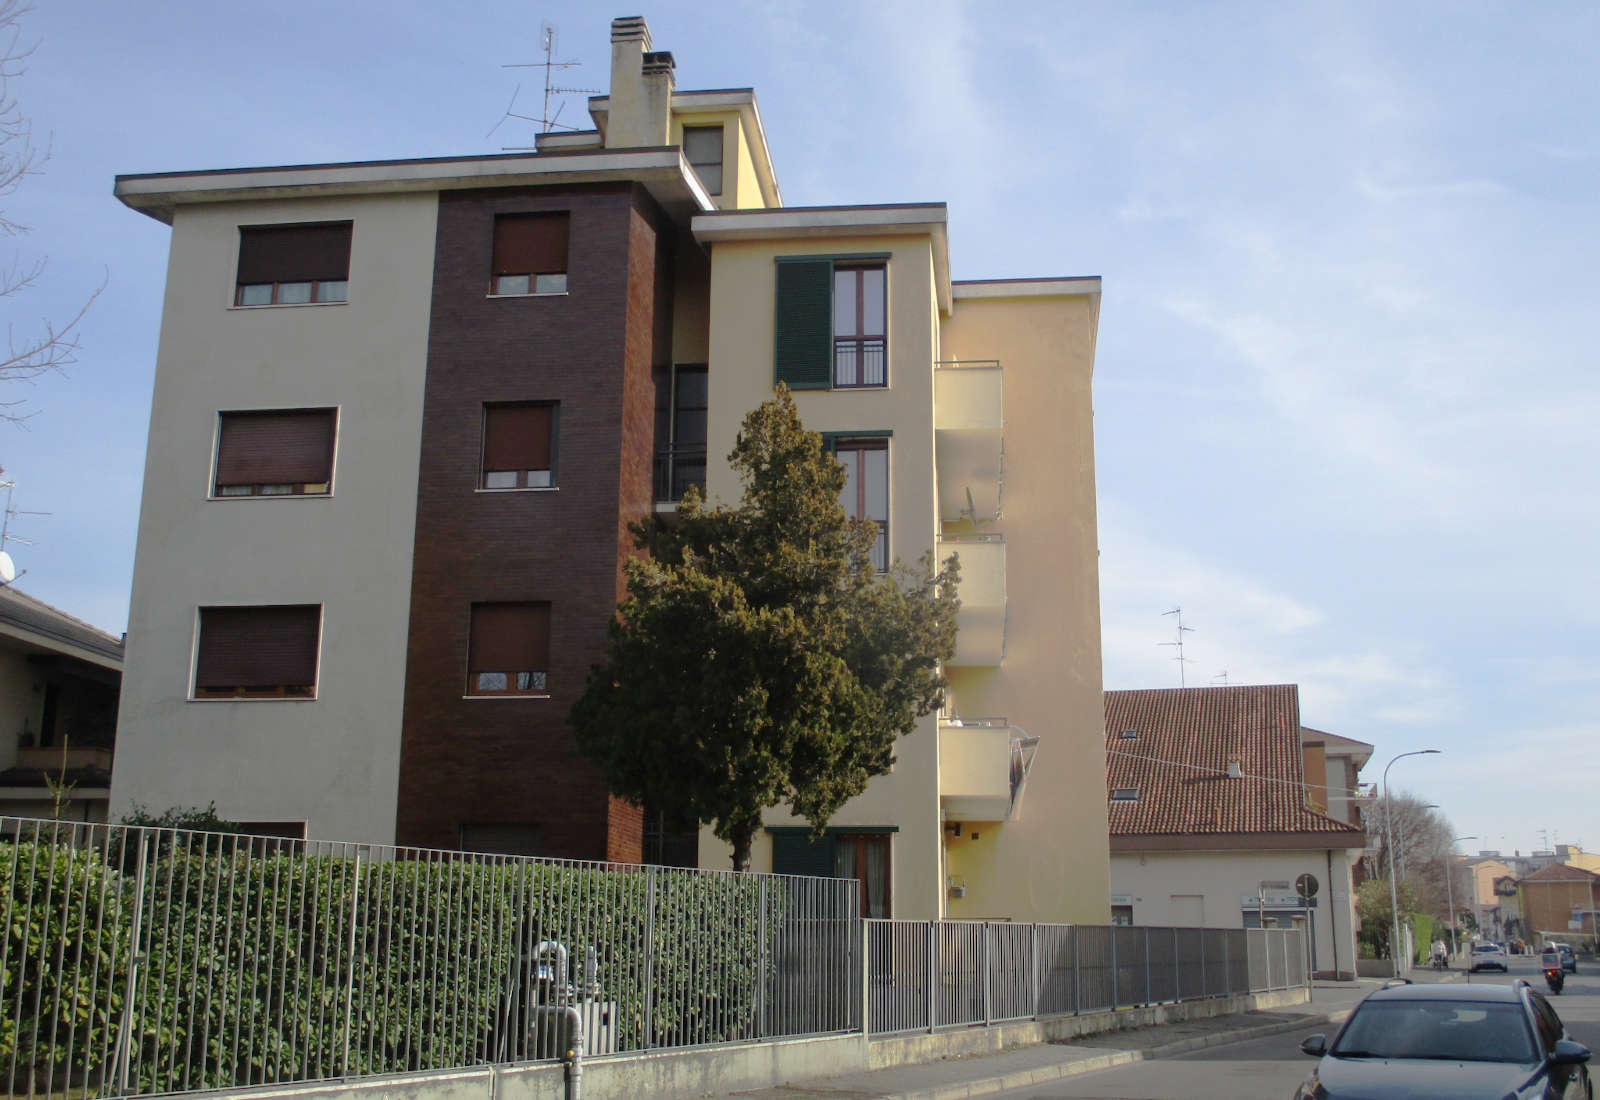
(831, 322)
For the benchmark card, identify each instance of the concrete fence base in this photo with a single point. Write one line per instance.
(739, 1067)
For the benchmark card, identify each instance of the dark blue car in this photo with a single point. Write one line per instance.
(1456, 1041)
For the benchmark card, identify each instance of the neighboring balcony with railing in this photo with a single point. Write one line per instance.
(981, 622)
(983, 765)
(677, 468)
(969, 439)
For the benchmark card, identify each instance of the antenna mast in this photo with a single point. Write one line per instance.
(8, 569)
(546, 121)
(1178, 645)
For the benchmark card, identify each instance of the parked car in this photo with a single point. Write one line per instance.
(1489, 955)
(1458, 1041)
(1569, 957)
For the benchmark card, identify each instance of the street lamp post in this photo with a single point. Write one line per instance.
(1450, 894)
(1388, 839)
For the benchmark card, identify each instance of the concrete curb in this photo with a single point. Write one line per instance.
(1024, 1078)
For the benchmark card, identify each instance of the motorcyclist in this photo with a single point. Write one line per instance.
(1550, 963)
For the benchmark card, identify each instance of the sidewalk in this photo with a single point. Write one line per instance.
(1012, 1069)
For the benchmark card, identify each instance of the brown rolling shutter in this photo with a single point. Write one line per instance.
(292, 446)
(517, 437)
(258, 646)
(510, 637)
(530, 244)
(294, 253)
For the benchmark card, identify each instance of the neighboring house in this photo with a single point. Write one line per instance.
(366, 597)
(1215, 823)
(59, 679)
(1484, 872)
(1558, 902)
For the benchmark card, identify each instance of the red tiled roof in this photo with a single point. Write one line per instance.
(1560, 872)
(1179, 762)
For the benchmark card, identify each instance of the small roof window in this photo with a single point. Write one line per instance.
(1129, 734)
(1125, 794)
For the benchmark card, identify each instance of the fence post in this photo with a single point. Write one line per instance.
(988, 966)
(1148, 992)
(350, 950)
(933, 975)
(763, 962)
(124, 1049)
(1077, 974)
(1038, 979)
(650, 878)
(1177, 970)
(1205, 983)
(1227, 963)
(1116, 972)
(866, 976)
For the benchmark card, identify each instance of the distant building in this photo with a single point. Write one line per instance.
(1558, 902)
(1221, 810)
(59, 679)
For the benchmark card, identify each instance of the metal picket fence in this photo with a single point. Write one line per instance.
(136, 961)
(143, 960)
(925, 975)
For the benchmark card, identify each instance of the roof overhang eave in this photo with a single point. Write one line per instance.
(1122, 843)
(663, 172)
(834, 223)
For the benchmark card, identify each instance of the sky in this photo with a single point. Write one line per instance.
(1343, 414)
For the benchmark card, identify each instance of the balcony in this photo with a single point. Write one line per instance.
(983, 766)
(677, 468)
(50, 758)
(981, 623)
(969, 439)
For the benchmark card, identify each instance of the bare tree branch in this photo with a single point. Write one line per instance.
(50, 345)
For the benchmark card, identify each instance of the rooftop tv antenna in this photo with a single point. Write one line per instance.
(546, 121)
(1220, 679)
(8, 568)
(1178, 645)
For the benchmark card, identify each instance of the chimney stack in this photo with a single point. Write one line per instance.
(1235, 767)
(639, 113)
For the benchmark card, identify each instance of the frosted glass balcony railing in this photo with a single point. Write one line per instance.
(975, 769)
(981, 622)
(983, 767)
(969, 439)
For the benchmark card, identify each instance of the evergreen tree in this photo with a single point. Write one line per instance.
(759, 658)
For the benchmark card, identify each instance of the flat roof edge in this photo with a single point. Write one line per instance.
(1025, 288)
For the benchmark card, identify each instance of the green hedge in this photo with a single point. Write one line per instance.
(249, 961)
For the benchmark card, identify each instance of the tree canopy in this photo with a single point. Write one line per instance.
(759, 659)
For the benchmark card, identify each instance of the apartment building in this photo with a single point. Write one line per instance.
(405, 410)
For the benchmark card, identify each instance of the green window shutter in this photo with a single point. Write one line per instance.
(804, 325)
(793, 853)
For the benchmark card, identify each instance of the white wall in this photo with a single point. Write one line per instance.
(332, 762)
(1154, 879)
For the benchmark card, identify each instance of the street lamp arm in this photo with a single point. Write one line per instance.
(1388, 843)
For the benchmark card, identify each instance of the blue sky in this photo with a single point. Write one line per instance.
(1343, 411)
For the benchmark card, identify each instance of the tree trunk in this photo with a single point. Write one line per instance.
(743, 835)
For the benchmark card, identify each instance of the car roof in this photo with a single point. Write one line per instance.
(1509, 994)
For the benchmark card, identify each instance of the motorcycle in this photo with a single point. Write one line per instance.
(1554, 978)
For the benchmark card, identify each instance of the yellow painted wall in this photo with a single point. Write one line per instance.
(1052, 863)
(741, 354)
(740, 187)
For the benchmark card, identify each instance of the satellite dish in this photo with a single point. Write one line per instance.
(8, 568)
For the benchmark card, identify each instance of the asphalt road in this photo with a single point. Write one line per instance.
(1271, 1068)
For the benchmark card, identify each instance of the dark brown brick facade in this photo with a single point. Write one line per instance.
(513, 761)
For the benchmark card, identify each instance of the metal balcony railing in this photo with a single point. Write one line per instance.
(860, 361)
(679, 467)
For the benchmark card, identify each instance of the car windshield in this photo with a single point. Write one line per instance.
(1483, 948)
(1457, 1031)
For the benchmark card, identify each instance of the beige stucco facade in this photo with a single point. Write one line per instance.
(1048, 861)
(1223, 889)
(332, 763)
